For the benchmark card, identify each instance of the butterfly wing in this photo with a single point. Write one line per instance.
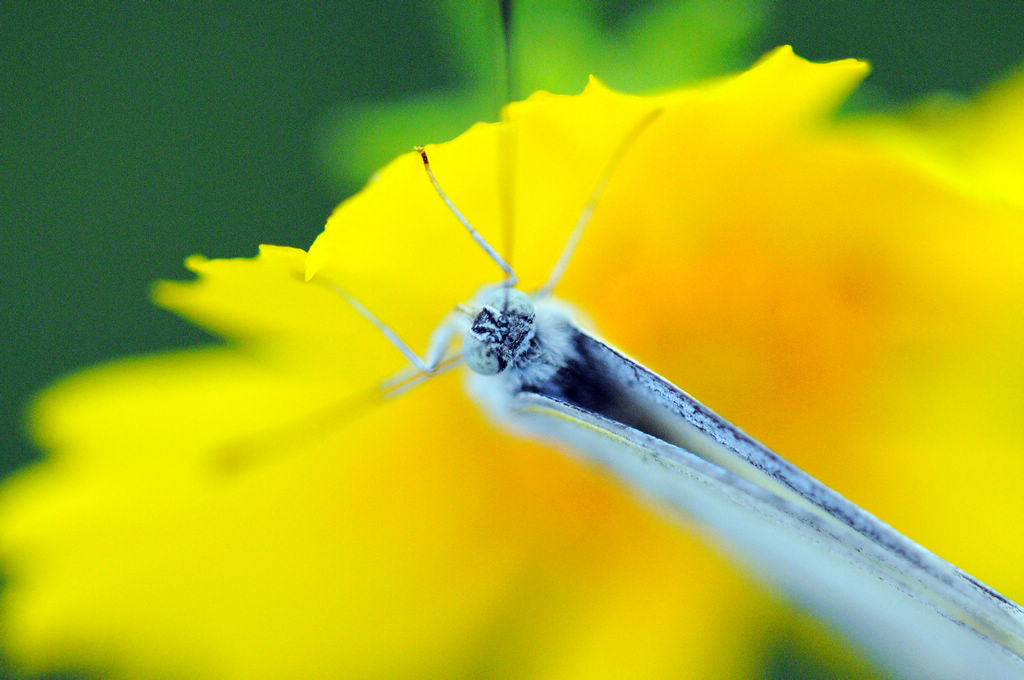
(911, 608)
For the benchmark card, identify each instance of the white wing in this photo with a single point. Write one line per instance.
(914, 611)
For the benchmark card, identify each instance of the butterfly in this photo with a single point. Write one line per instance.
(538, 372)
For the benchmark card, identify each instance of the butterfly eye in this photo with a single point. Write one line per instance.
(481, 357)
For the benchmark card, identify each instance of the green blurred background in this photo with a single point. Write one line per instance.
(136, 134)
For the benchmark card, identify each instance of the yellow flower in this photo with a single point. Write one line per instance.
(248, 511)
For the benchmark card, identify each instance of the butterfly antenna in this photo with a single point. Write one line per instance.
(506, 33)
(510, 276)
(588, 208)
(507, 138)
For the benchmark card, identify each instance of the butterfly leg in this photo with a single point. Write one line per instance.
(439, 339)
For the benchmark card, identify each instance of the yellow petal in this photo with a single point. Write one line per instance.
(265, 304)
(398, 249)
(382, 534)
(977, 147)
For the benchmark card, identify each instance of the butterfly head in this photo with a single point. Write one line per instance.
(502, 329)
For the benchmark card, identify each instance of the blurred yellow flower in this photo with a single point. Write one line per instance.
(823, 286)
